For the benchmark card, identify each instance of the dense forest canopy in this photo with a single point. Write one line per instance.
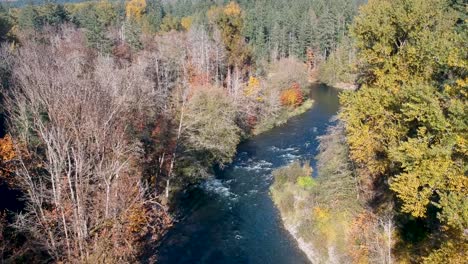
(272, 28)
(407, 125)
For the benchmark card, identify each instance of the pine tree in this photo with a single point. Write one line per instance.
(28, 18)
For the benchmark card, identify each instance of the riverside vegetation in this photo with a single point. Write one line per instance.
(112, 107)
(392, 174)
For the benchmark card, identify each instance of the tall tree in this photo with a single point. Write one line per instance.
(404, 124)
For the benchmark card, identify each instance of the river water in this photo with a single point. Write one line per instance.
(231, 218)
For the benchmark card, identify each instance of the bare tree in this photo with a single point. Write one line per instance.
(73, 117)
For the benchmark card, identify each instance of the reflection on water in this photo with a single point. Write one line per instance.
(231, 218)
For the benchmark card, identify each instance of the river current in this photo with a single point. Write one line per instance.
(231, 218)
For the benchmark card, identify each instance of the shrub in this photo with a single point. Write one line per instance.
(306, 182)
(292, 96)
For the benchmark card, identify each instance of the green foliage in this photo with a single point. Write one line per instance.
(230, 22)
(170, 23)
(407, 124)
(35, 17)
(104, 12)
(401, 42)
(306, 182)
(339, 68)
(28, 18)
(286, 188)
(6, 24)
(287, 28)
(132, 35)
(53, 14)
(451, 252)
(154, 15)
(291, 174)
(210, 127)
(96, 35)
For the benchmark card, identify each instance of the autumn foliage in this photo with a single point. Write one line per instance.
(292, 96)
(252, 87)
(135, 9)
(7, 154)
(7, 151)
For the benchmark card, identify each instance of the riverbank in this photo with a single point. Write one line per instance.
(320, 212)
(303, 245)
(282, 118)
(328, 215)
(290, 193)
(345, 86)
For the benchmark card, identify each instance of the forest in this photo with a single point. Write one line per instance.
(110, 109)
(392, 172)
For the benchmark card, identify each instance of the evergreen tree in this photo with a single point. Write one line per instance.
(53, 14)
(154, 15)
(132, 35)
(28, 18)
(96, 34)
(5, 26)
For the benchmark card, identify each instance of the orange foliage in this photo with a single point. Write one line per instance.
(137, 218)
(186, 23)
(198, 79)
(7, 150)
(360, 237)
(7, 154)
(292, 96)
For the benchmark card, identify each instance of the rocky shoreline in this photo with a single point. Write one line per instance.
(304, 246)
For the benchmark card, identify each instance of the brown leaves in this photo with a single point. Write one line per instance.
(7, 156)
(7, 150)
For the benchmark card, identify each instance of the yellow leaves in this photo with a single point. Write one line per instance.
(135, 9)
(170, 23)
(462, 82)
(254, 83)
(461, 144)
(254, 89)
(415, 199)
(364, 145)
(186, 22)
(449, 252)
(321, 214)
(425, 175)
(459, 88)
(252, 86)
(455, 60)
(232, 9)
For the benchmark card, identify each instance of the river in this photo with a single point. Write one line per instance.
(231, 218)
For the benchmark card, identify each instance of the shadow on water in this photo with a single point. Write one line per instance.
(231, 218)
